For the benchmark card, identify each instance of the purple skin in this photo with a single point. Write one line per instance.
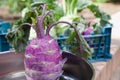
(88, 31)
(43, 58)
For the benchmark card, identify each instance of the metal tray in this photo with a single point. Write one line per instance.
(75, 68)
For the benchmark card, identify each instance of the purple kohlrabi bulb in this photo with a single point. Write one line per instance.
(43, 59)
(88, 31)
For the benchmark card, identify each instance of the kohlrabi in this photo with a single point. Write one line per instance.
(43, 58)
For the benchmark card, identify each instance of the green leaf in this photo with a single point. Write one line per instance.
(104, 17)
(71, 38)
(82, 4)
(78, 45)
(33, 21)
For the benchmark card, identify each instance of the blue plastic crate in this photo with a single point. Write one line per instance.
(1, 20)
(4, 26)
(99, 42)
(4, 45)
